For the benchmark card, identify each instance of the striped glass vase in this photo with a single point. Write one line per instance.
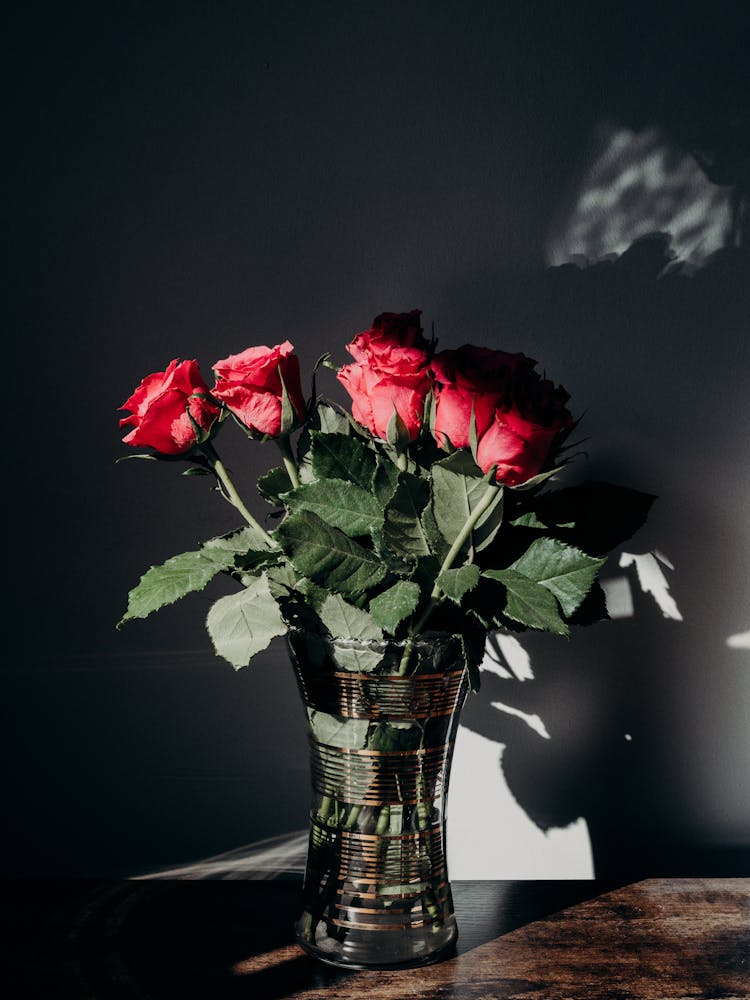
(382, 724)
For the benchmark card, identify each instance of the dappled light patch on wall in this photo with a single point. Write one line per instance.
(637, 183)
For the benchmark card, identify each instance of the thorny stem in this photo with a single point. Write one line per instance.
(230, 493)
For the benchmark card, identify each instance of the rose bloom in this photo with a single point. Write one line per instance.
(518, 414)
(521, 436)
(389, 332)
(162, 407)
(469, 377)
(250, 385)
(390, 373)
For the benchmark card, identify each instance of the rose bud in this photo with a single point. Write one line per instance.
(390, 374)
(252, 385)
(171, 410)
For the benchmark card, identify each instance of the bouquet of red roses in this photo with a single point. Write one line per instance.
(429, 507)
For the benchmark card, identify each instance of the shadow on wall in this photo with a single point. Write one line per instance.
(632, 737)
(646, 716)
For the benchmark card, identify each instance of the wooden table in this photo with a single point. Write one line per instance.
(660, 938)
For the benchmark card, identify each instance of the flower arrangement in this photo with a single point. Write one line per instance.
(404, 533)
(429, 507)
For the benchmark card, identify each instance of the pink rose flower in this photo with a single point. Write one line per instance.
(162, 407)
(250, 385)
(390, 373)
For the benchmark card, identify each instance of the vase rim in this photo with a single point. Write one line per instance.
(425, 640)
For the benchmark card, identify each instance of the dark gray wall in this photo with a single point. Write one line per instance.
(188, 182)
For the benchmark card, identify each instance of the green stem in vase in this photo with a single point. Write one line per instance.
(352, 818)
(384, 821)
(306, 932)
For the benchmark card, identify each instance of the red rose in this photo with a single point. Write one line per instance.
(390, 373)
(517, 413)
(519, 439)
(471, 377)
(250, 384)
(389, 331)
(163, 405)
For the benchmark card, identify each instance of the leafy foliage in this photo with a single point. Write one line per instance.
(388, 538)
(188, 572)
(244, 623)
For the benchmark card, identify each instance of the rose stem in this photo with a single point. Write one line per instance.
(454, 550)
(384, 821)
(402, 461)
(289, 464)
(231, 493)
(352, 818)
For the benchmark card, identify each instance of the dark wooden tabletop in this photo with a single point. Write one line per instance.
(660, 938)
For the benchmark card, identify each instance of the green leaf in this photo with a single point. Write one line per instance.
(391, 607)
(273, 484)
(385, 480)
(473, 438)
(434, 537)
(340, 504)
(332, 420)
(531, 520)
(141, 454)
(287, 410)
(541, 477)
(327, 556)
(345, 621)
(327, 419)
(529, 602)
(458, 487)
(314, 595)
(281, 579)
(426, 571)
(348, 734)
(454, 583)
(399, 564)
(243, 624)
(395, 736)
(187, 573)
(403, 530)
(564, 570)
(238, 542)
(489, 523)
(397, 433)
(342, 456)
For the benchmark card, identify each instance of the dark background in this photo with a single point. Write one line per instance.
(191, 179)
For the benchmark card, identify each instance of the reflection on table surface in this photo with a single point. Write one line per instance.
(538, 940)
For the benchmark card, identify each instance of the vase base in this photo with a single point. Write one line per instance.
(383, 950)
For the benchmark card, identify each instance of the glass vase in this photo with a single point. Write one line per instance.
(382, 724)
